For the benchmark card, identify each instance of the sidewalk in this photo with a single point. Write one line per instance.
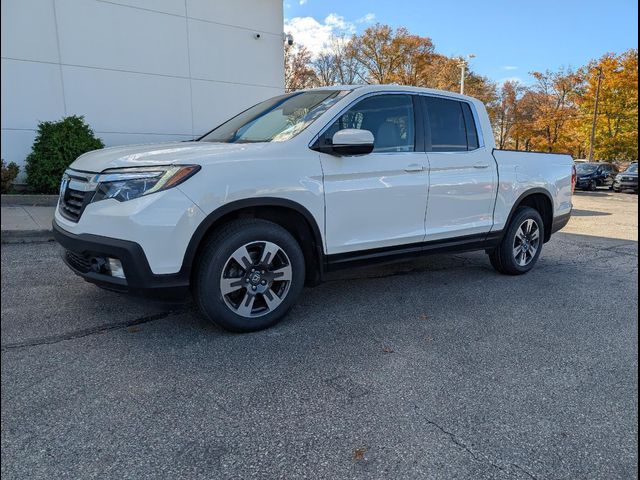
(21, 223)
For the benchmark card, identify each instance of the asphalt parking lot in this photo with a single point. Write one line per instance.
(436, 369)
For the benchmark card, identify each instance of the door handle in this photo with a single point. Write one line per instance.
(414, 167)
(480, 165)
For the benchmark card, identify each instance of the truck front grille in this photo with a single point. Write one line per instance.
(72, 203)
(76, 191)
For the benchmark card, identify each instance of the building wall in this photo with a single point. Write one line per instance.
(138, 70)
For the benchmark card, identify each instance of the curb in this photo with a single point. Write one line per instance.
(26, 236)
(28, 200)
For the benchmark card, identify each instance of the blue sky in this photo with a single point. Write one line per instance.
(509, 38)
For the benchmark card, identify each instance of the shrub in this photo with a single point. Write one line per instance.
(9, 174)
(56, 146)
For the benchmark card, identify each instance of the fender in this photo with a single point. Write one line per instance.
(231, 207)
(519, 200)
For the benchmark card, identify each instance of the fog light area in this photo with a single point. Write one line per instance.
(115, 268)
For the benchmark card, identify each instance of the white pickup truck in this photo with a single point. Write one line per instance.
(303, 184)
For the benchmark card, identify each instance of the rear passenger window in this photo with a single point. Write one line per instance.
(472, 131)
(451, 124)
(446, 121)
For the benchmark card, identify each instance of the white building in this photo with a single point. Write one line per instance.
(138, 70)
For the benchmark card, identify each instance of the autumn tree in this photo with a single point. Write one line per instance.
(523, 131)
(554, 97)
(413, 53)
(336, 63)
(507, 114)
(617, 123)
(325, 68)
(298, 72)
(388, 56)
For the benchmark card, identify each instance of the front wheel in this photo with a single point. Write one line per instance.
(249, 275)
(593, 186)
(521, 244)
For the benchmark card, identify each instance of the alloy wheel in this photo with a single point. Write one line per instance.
(256, 279)
(526, 242)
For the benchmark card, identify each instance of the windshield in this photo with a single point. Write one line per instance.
(633, 168)
(277, 119)
(586, 168)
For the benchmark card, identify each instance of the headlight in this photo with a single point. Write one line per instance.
(124, 184)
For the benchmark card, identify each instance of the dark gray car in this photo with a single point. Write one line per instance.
(627, 180)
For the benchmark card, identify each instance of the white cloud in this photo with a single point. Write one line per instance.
(337, 22)
(302, 2)
(510, 67)
(308, 32)
(315, 35)
(368, 18)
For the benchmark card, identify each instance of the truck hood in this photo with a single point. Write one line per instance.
(163, 154)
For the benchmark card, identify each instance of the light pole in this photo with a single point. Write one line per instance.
(595, 115)
(463, 67)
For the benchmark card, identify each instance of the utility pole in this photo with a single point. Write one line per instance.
(463, 67)
(595, 115)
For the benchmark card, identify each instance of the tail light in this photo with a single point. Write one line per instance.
(574, 178)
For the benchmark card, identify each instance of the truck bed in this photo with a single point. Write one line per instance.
(522, 171)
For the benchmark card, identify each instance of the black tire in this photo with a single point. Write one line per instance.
(216, 257)
(592, 186)
(502, 257)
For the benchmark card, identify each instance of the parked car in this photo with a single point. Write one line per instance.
(592, 175)
(303, 184)
(627, 180)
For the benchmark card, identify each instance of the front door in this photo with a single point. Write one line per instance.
(376, 200)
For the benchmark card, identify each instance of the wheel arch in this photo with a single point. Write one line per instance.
(540, 200)
(292, 216)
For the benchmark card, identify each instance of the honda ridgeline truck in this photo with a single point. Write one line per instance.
(303, 184)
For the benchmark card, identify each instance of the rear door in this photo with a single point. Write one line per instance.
(463, 174)
(376, 200)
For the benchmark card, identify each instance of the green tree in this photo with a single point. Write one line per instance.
(56, 146)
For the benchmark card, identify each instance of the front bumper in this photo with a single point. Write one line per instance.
(83, 254)
(583, 183)
(626, 184)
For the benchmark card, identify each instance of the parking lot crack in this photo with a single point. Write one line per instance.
(477, 456)
(53, 339)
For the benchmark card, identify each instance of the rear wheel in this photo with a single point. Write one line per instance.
(249, 275)
(521, 244)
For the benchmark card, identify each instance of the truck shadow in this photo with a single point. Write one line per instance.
(588, 213)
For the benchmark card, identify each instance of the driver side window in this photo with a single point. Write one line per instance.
(388, 117)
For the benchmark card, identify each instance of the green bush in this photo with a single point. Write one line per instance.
(56, 146)
(9, 174)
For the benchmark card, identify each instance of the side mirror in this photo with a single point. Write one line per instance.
(352, 141)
